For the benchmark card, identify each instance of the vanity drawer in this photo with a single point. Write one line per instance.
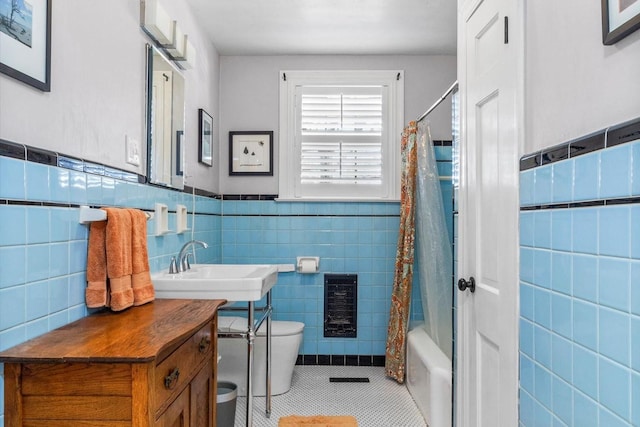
(177, 370)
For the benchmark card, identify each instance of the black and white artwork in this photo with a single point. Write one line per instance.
(251, 153)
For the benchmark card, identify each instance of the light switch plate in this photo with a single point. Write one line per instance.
(133, 151)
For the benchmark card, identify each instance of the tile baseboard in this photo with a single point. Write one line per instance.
(339, 360)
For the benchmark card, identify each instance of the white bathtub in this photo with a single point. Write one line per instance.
(429, 378)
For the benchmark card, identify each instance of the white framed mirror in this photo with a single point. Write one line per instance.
(165, 121)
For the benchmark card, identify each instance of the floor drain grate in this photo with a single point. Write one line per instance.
(348, 379)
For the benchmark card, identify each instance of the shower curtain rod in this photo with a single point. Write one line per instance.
(442, 98)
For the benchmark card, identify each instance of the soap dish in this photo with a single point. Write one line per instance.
(162, 219)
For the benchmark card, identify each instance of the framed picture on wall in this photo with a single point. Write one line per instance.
(205, 140)
(251, 153)
(25, 37)
(619, 19)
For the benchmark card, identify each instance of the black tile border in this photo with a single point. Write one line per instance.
(606, 138)
(352, 360)
(530, 161)
(31, 203)
(254, 197)
(13, 150)
(201, 192)
(339, 360)
(324, 359)
(44, 157)
(625, 132)
(444, 143)
(588, 144)
(585, 204)
(561, 153)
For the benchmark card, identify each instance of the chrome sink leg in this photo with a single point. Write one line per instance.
(268, 355)
(250, 343)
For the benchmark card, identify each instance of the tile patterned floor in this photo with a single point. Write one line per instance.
(380, 403)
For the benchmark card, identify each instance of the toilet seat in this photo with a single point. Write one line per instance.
(279, 328)
(282, 328)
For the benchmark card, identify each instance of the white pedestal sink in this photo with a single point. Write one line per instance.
(233, 282)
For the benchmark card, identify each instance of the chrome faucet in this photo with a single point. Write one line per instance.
(183, 262)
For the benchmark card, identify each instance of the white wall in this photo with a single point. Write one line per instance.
(97, 87)
(249, 99)
(574, 84)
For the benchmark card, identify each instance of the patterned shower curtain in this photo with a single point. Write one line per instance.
(401, 294)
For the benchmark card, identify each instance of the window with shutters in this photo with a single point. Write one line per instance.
(339, 134)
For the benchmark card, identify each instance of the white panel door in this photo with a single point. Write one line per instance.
(487, 386)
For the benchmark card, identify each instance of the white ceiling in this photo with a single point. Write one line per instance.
(351, 27)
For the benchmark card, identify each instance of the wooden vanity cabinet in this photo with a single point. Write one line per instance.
(151, 365)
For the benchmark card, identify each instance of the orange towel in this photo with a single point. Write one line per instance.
(318, 421)
(143, 291)
(96, 292)
(118, 248)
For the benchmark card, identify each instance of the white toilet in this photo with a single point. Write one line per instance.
(286, 337)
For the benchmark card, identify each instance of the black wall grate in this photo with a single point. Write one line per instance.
(340, 305)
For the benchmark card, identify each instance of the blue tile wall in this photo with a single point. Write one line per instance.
(357, 238)
(43, 247)
(579, 308)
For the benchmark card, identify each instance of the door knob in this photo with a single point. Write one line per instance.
(471, 284)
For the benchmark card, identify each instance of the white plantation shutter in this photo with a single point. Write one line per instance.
(337, 135)
(341, 135)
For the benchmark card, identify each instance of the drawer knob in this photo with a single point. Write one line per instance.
(171, 380)
(205, 342)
